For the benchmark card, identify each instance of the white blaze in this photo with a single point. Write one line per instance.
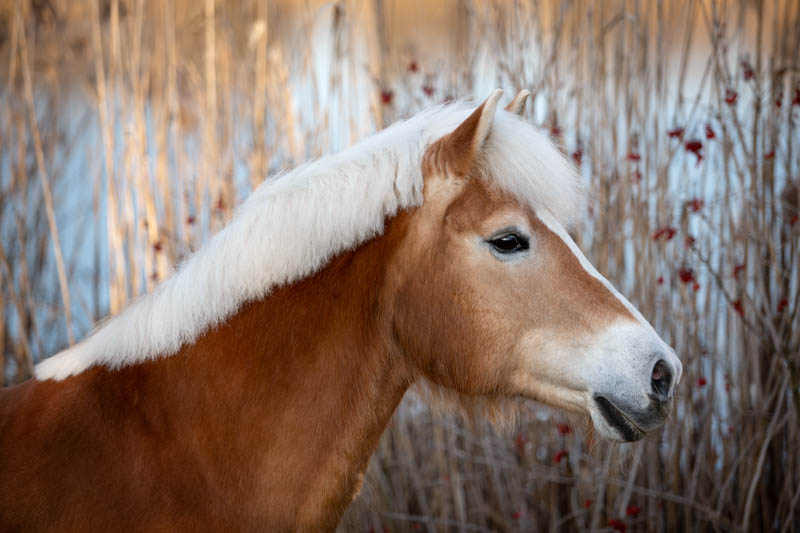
(554, 226)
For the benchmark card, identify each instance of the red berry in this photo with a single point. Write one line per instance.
(519, 444)
(695, 146)
(559, 456)
(686, 274)
(668, 232)
(748, 71)
(676, 133)
(695, 204)
(617, 525)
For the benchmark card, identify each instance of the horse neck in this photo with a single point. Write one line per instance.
(302, 383)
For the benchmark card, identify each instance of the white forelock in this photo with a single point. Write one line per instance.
(294, 223)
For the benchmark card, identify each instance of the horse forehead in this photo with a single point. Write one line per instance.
(479, 198)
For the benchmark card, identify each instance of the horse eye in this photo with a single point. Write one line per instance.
(508, 244)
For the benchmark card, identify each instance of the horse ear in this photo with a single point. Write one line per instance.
(466, 141)
(517, 105)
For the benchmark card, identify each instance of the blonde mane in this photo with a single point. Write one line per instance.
(294, 223)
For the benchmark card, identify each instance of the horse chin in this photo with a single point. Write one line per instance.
(617, 423)
(609, 420)
(613, 423)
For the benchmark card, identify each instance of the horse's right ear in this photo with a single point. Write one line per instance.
(517, 105)
(462, 146)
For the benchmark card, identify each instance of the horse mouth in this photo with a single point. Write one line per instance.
(618, 420)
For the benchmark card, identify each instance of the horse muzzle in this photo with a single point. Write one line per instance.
(630, 406)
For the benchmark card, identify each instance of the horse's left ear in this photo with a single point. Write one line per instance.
(465, 142)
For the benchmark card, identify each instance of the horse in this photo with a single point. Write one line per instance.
(249, 390)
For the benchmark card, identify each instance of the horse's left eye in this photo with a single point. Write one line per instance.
(509, 244)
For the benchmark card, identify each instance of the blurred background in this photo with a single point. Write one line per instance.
(131, 129)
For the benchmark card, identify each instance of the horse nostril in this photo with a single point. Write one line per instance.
(661, 381)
